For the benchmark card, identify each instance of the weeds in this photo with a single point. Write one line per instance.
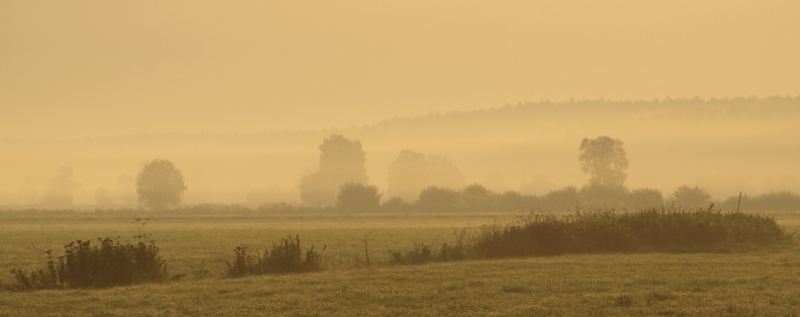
(606, 230)
(285, 257)
(612, 231)
(365, 242)
(421, 253)
(623, 300)
(86, 266)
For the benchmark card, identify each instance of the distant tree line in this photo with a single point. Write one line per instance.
(429, 183)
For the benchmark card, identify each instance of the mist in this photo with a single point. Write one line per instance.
(724, 146)
(240, 96)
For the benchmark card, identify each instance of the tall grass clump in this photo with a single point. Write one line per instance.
(285, 257)
(84, 265)
(608, 230)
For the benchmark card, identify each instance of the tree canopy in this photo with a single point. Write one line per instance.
(604, 160)
(160, 185)
(411, 172)
(341, 161)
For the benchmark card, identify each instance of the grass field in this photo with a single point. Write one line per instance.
(754, 283)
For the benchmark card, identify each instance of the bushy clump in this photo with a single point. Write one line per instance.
(86, 266)
(422, 253)
(774, 201)
(612, 231)
(285, 257)
(419, 254)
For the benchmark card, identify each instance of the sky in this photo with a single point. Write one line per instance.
(75, 69)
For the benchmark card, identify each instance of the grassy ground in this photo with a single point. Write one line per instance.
(756, 283)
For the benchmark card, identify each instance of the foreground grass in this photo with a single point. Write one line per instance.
(756, 283)
(186, 243)
(750, 284)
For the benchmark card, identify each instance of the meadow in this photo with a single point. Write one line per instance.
(752, 282)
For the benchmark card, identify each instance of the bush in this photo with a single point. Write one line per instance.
(690, 197)
(86, 266)
(603, 196)
(421, 253)
(644, 198)
(611, 231)
(438, 199)
(355, 197)
(560, 199)
(774, 201)
(477, 198)
(285, 257)
(396, 204)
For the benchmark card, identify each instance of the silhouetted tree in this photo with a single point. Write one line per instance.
(644, 198)
(438, 199)
(396, 204)
(476, 197)
(560, 200)
(774, 201)
(690, 197)
(355, 197)
(412, 172)
(341, 161)
(160, 185)
(514, 201)
(61, 188)
(604, 160)
(603, 196)
(102, 198)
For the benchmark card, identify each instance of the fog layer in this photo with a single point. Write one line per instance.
(725, 146)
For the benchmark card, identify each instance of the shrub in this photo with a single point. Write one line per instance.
(355, 197)
(396, 204)
(774, 201)
(422, 253)
(560, 199)
(86, 266)
(644, 198)
(478, 198)
(607, 230)
(285, 257)
(438, 199)
(690, 197)
(602, 195)
(419, 254)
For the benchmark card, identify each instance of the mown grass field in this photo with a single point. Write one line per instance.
(753, 283)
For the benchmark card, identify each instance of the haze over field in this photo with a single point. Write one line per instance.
(239, 95)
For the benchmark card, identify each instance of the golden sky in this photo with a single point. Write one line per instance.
(94, 68)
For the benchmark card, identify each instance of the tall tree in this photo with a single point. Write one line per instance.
(160, 185)
(690, 197)
(411, 172)
(341, 161)
(354, 197)
(604, 160)
(61, 188)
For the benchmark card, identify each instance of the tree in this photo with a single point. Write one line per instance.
(412, 172)
(355, 197)
(341, 161)
(603, 196)
(561, 199)
(475, 197)
(604, 160)
(61, 188)
(690, 197)
(160, 185)
(438, 199)
(644, 198)
(102, 198)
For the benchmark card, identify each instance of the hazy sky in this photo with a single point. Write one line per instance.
(91, 68)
